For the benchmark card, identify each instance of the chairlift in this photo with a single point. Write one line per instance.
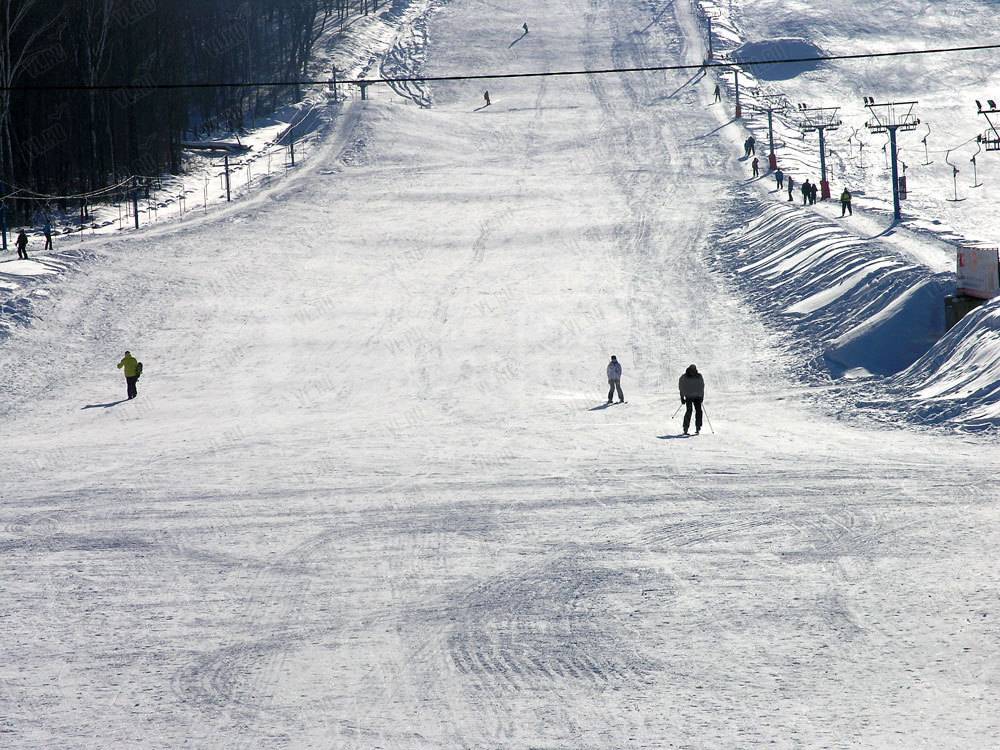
(927, 158)
(954, 177)
(975, 176)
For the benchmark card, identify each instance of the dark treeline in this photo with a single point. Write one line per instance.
(74, 141)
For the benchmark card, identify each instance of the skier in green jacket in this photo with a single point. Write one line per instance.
(845, 203)
(131, 367)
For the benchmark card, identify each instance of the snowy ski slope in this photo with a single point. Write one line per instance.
(366, 500)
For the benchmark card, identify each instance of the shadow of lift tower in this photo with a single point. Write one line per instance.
(890, 117)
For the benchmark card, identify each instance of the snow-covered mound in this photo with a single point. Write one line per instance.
(856, 307)
(25, 282)
(778, 49)
(959, 378)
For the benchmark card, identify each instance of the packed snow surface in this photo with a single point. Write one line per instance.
(370, 495)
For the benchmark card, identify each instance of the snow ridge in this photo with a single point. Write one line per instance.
(852, 307)
(956, 381)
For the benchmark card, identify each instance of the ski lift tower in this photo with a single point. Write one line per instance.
(890, 117)
(990, 138)
(709, 16)
(769, 104)
(819, 120)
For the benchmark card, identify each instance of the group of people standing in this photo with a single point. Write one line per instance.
(809, 191)
(691, 387)
(21, 242)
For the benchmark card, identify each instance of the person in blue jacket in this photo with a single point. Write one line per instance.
(615, 380)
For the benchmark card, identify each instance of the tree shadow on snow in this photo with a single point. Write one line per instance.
(104, 406)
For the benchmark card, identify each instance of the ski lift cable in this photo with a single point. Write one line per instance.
(26, 194)
(499, 76)
(954, 148)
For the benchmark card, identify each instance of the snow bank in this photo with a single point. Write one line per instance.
(860, 312)
(958, 380)
(22, 282)
(854, 306)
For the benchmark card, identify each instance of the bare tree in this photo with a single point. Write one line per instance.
(97, 19)
(21, 28)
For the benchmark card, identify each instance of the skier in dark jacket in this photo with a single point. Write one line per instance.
(755, 164)
(806, 191)
(692, 389)
(718, 93)
(486, 97)
(615, 380)
(791, 184)
(47, 231)
(779, 178)
(22, 245)
(813, 192)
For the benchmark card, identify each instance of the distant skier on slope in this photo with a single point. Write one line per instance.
(791, 185)
(47, 231)
(756, 167)
(779, 178)
(525, 27)
(752, 144)
(615, 380)
(22, 245)
(692, 389)
(486, 96)
(845, 203)
(746, 148)
(813, 192)
(806, 191)
(718, 93)
(132, 370)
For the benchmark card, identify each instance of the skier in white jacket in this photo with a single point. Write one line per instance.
(615, 380)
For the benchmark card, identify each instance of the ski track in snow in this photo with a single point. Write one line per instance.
(364, 501)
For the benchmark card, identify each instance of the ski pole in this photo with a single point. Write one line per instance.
(708, 420)
(675, 413)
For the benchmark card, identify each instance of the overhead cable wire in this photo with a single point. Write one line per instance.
(497, 76)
